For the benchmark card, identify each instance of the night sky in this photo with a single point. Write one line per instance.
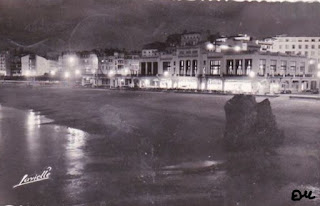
(88, 24)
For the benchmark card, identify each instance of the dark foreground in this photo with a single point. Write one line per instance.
(110, 148)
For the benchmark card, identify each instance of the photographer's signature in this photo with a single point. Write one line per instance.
(35, 178)
(297, 195)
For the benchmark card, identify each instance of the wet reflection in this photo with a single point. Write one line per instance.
(74, 150)
(27, 146)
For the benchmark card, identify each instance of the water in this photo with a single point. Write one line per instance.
(28, 145)
(92, 170)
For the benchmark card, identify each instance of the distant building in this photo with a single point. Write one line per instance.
(34, 65)
(5, 63)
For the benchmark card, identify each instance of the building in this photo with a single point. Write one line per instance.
(234, 64)
(304, 46)
(5, 63)
(34, 65)
(116, 70)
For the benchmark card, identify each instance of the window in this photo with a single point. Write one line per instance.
(181, 70)
(166, 66)
(143, 68)
(155, 68)
(283, 69)
(293, 67)
(239, 67)
(306, 40)
(262, 67)
(188, 67)
(293, 46)
(300, 46)
(230, 66)
(194, 67)
(313, 40)
(215, 67)
(312, 47)
(280, 46)
(273, 67)
(306, 47)
(287, 46)
(149, 69)
(302, 67)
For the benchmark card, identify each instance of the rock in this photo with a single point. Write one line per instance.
(250, 125)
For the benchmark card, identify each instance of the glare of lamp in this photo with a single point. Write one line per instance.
(111, 73)
(71, 59)
(166, 73)
(237, 48)
(318, 74)
(28, 73)
(224, 47)
(252, 74)
(210, 46)
(77, 72)
(53, 73)
(66, 75)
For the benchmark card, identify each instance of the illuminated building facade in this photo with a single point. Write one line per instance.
(4, 63)
(303, 46)
(34, 65)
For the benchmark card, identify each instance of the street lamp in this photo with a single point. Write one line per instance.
(237, 48)
(252, 74)
(224, 47)
(66, 75)
(209, 46)
(52, 73)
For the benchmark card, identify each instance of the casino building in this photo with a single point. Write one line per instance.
(231, 64)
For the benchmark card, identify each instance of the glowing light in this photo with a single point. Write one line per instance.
(237, 48)
(126, 71)
(53, 73)
(210, 46)
(71, 59)
(28, 73)
(318, 74)
(93, 71)
(77, 72)
(311, 61)
(252, 74)
(111, 73)
(166, 73)
(203, 85)
(224, 47)
(147, 81)
(318, 65)
(66, 75)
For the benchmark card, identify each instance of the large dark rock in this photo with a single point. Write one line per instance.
(250, 125)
